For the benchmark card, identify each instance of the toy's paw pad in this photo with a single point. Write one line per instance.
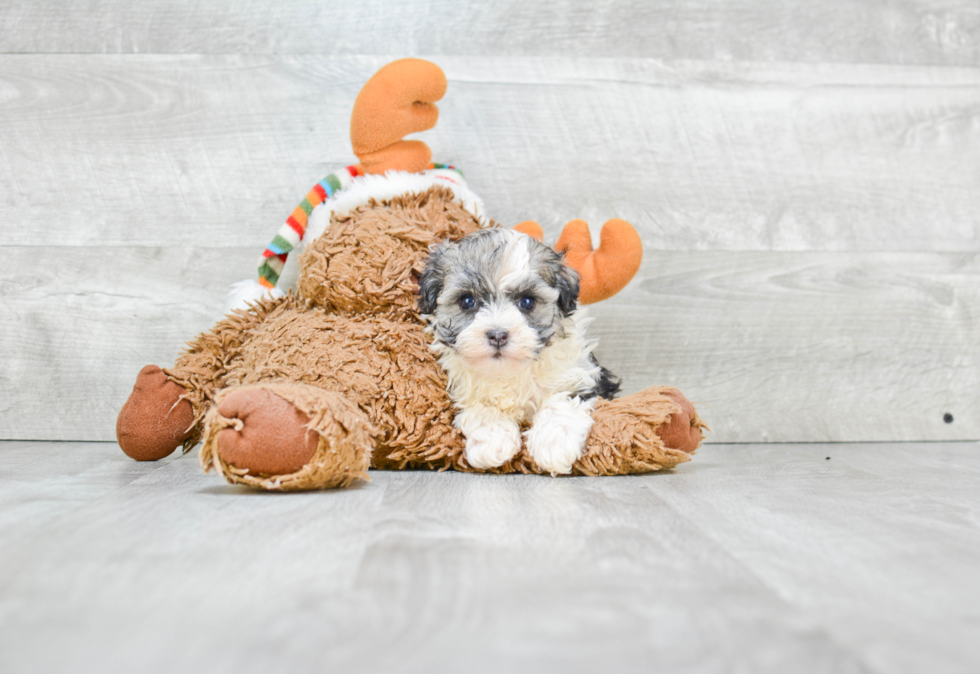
(270, 436)
(492, 444)
(680, 431)
(155, 419)
(556, 439)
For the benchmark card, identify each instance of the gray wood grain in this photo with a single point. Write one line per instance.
(772, 346)
(806, 347)
(941, 32)
(206, 150)
(803, 178)
(76, 320)
(760, 558)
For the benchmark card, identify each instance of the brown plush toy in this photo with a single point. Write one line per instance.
(309, 389)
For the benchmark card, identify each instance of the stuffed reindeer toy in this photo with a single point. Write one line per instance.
(419, 334)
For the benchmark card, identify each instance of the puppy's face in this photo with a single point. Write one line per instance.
(497, 298)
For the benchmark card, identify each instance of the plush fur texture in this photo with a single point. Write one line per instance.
(501, 308)
(352, 328)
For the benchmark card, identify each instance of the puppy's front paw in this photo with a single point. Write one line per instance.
(556, 439)
(492, 443)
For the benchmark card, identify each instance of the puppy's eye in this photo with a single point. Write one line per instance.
(526, 303)
(466, 302)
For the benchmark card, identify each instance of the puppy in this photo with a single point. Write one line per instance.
(501, 309)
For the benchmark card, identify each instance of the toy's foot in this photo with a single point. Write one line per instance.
(683, 429)
(269, 435)
(287, 437)
(653, 429)
(155, 419)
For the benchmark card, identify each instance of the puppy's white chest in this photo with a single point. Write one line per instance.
(518, 398)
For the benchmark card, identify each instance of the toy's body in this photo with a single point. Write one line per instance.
(310, 390)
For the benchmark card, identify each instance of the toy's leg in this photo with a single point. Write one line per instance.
(287, 436)
(654, 429)
(156, 419)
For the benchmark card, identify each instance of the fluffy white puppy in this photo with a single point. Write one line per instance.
(501, 308)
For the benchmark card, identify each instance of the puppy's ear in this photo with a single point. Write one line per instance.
(566, 282)
(431, 281)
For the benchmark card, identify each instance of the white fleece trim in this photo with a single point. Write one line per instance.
(249, 291)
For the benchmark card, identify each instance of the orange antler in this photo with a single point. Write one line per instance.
(398, 100)
(606, 270)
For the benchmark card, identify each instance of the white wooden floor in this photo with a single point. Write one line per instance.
(751, 558)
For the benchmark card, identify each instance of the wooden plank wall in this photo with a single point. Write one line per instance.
(805, 177)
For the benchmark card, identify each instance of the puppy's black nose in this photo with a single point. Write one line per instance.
(497, 338)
